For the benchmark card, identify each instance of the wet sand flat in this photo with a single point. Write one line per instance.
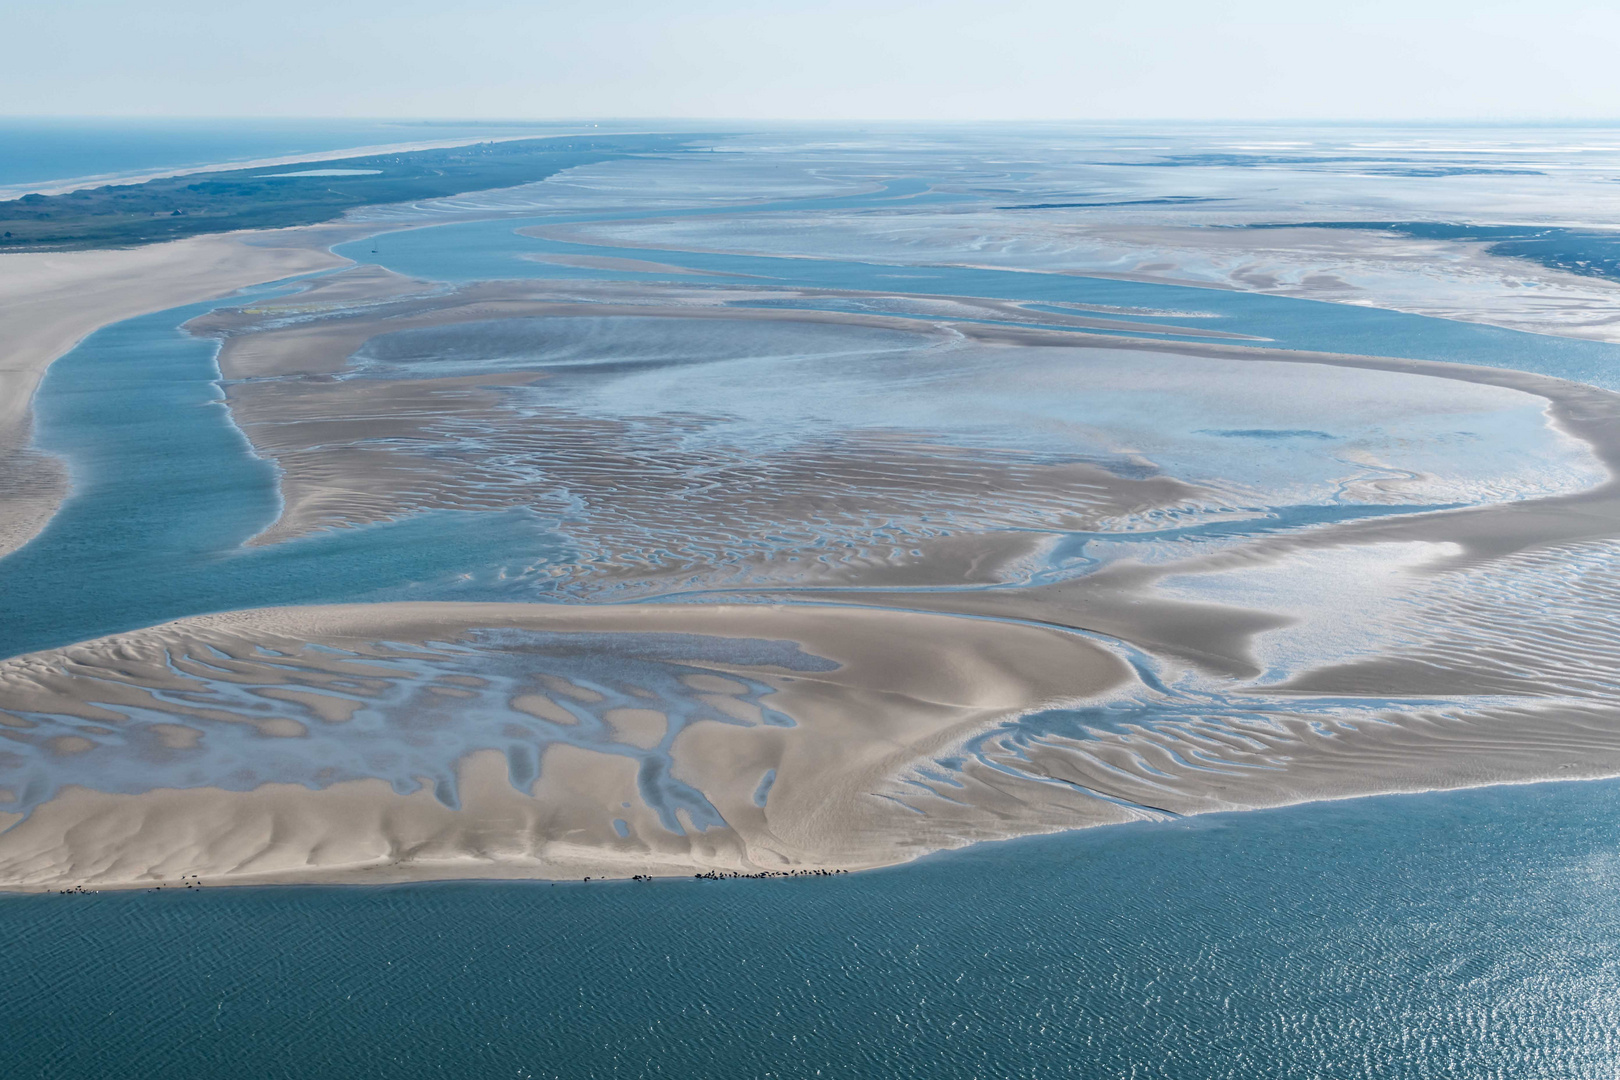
(823, 737)
(932, 698)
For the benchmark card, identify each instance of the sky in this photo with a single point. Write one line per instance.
(836, 59)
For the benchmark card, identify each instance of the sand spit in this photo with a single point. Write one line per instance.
(795, 746)
(49, 301)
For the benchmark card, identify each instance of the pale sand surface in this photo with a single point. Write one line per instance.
(363, 450)
(857, 780)
(1120, 601)
(856, 784)
(1439, 278)
(49, 301)
(368, 301)
(366, 450)
(608, 262)
(904, 688)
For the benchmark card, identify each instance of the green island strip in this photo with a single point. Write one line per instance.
(124, 215)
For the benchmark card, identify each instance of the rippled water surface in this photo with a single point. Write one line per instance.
(1472, 934)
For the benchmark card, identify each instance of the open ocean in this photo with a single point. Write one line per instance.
(1468, 934)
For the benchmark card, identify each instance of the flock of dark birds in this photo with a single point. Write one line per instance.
(709, 875)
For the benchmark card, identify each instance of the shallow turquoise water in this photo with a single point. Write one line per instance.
(1466, 934)
(166, 490)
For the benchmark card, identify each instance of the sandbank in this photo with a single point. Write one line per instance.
(391, 466)
(888, 689)
(608, 262)
(1448, 279)
(898, 747)
(897, 750)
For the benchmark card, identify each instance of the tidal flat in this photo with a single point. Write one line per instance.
(553, 531)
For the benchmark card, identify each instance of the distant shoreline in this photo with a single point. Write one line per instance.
(227, 200)
(96, 180)
(52, 298)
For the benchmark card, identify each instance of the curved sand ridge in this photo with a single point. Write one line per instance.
(416, 741)
(622, 740)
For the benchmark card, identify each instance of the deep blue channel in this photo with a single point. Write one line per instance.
(1466, 934)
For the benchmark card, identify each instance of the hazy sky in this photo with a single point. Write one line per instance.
(833, 59)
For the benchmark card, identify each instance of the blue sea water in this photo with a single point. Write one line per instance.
(1471, 934)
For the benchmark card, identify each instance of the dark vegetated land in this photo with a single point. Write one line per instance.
(179, 206)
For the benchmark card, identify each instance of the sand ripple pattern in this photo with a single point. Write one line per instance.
(659, 503)
(214, 711)
(1541, 624)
